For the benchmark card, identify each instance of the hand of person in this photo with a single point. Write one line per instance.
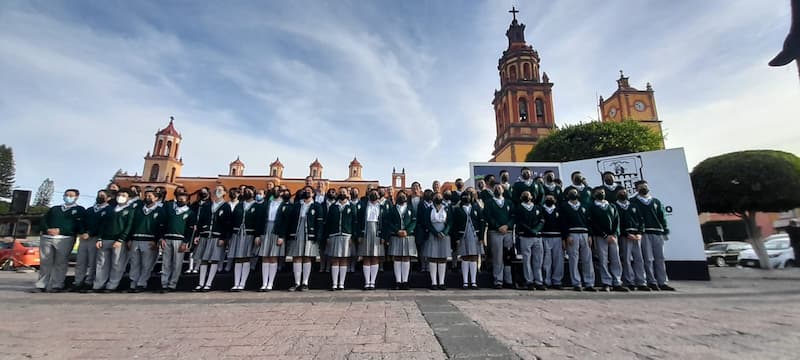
(184, 247)
(117, 244)
(402, 233)
(220, 243)
(638, 237)
(153, 245)
(84, 236)
(163, 243)
(569, 241)
(503, 229)
(279, 242)
(589, 241)
(611, 239)
(197, 240)
(53, 231)
(129, 244)
(257, 242)
(440, 236)
(98, 244)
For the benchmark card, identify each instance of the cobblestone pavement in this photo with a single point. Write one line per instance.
(740, 314)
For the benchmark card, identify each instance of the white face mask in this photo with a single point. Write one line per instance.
(220, 194)
(122, 200)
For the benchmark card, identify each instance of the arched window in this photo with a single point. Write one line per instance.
(505, 113)
(154, 173)
(176, 149)
(539, 110)
(397, 182)
(158, 147)
(355, 172)
(526, 71)
(168, 149)
(523, 110)
(274, 172)
(172, 175)
(313, 173)
(513, 70)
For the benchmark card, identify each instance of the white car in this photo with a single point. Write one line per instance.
(780, 251)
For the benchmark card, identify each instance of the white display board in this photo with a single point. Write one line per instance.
(666, 172)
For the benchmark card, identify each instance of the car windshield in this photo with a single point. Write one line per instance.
(776, 245)
(29, 243)
(716, 247)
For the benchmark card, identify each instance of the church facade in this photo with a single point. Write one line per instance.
(523, 106)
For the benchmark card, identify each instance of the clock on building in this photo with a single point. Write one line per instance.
(639, 106)
(612, 112)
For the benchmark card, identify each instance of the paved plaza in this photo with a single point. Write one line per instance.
(740, 314)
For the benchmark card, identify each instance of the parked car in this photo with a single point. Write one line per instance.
(19, 253)
(779, 249)
(725, 253)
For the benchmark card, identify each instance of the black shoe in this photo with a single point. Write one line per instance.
(139, 289)
(406, 286)
(397, 286)
(653, 287)
(205, 289)
(303, 287)
(55, 290)
(498, 286)
(577, 288)
(474, 287)
(105, 291)
(164, 290)
(510, 286)
(643, 288)
(434, 287)
(294, 288)
(465, 287)
(666, 287)
(620, 289)
(556, 287)
(590, 289)
(540, 287)
(332, 289)
(37, 290)
(85, 290)
(605, 288)
(529, 287)
(631, 287)
(131, 290)
(442, 287)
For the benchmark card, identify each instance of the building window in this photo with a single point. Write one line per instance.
(176, 149)
(274, 172)
(169, 147)
(313, 173)
(513, 70)
(355, 172)
(154, 173)
(172, 175)
(159, 147)
(523, 110)
(539, 110)
(397, 182)
(526, 71)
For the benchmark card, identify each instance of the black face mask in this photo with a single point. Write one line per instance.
(304, 195)
(504, 178)
(497, 193)
(100, 200)
(609, 182)
(622, 197)
(549, 202)
(644, 191)
(572, 196)
(180, 203)
(233, 195)
(459, 186)
(341, 197)
(577, 181)
(286, 196)
(148, 202)
(526, 175)
(599, 196)
(549, 178)
(401, 200)
(373, 197)
(465, 200)
(247, 195)
(437, 201)
(526, 198)
(204, 195)
(331, 196)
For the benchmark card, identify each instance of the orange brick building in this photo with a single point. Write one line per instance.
(162, 167)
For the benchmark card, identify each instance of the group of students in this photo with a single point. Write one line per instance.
(622, 239)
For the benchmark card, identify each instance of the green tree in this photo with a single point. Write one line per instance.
(45, 193)
(744, 183)
(596, 139)
(7, 171)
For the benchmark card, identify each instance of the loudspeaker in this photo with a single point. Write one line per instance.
(20, 199)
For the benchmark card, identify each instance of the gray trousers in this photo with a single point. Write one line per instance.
(608, 261)
(653, 253)
(497, 242)
(110, 265)
(87, 261)
(553, 260)
(630, 252)
(53, 256)
(142, 260)
(579, 250)
(171, 264)
(532, 257)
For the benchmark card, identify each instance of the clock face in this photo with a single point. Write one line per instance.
(639, 106)
(612, 112)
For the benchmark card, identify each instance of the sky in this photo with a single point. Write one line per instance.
(405, 84)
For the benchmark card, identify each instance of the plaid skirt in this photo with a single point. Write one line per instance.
(241, 245)
(210, 250)
(269, 243)
(402, 246)
(436, 248)
(371, 244)
(339, 246)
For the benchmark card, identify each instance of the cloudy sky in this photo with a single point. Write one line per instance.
(85, 85)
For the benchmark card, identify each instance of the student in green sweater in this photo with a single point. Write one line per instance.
(551, 187)
(500, 220)
(177, 232)
(604, 228)
(630, 243)
(61, 225)
(86, 264)
(527, 183)
(148, 225)
(582, 187)
(341, 222)
(653, 217)
(112, 253)
(529, 219)
(575, 230)
(399, 225)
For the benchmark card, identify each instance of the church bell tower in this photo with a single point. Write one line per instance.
(164, 165)
(523, 106)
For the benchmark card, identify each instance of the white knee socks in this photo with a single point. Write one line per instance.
(335, 276)
(306, 272)
(441, 267)
(473, 272)
(406, 266)
(465, 272)
(245, 274)
(212, 272)
(264, 275)
(342, 276)
(237, 275)
(203, 270)
(373, 274)
(273, 269)
(398, 271)
(432, 268)
(297, 269)
(367, 272)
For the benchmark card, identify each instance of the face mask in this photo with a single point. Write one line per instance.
(204, 195)
(465, 200)
(134, 192)
(122, 199)
(233, 195)
(180, 203)
(549, 202)
(259, 197)
(622, 197)
(286, 196)
(247, 195)
(526, 198)
(341, 197)
(69, 200)
(504, 178)
(549, 178)
(219, 193)
(331, 196)
(373, 197)
(100, 200)
(305, 195)
(148, 201)
(437, 201)
(609, 182)
(401, 200)
(459, 186)
(599, 196)
(526, 175)
(644, 191)
(497, 193)
(577, 181)
(572, 196)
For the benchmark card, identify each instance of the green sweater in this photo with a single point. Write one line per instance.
(529, 222)
(573, 220)
(585, 195)
(68, 220)
(179, 226)
(603, 220)
(534, 188)
(116, 225)
(342, 220)
(147, 227)
(92, 221)
(459, 221)
(629, 222)
(497, 216)
(555, 191)
(392, 222)
(652, 215)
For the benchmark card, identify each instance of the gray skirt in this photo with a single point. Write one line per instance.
(241, 245)
(436, 248)
(300, 246)
(402, 246)
(210, 249)
(269, 243)
(339, 246)
(371, 244)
